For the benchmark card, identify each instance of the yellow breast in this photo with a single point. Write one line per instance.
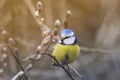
(61, 51)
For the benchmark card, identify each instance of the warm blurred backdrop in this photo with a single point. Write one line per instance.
(96, 22)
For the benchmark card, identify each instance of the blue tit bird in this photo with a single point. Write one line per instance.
(67, 49)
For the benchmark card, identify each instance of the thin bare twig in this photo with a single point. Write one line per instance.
(13, 51)
(18, 75)
(60, 65)
(38, 20)
(67, 19)
(76, 72)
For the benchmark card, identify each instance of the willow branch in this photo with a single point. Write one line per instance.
(17, 60)
(12, 50)
(76, 72)
(60, 65)
(44, 28)
(18, 75)
(67, 19)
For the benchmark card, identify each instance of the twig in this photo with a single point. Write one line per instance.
(76, 72)
(67, 19)
(39, 21)
(60, 65)
(17, 60)
(12, 50)
(18, 75)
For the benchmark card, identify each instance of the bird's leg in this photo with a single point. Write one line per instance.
(68, 68)
(57, 64)
(65, 59)
(54, 64)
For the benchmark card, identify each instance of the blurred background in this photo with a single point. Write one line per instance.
(96, 22)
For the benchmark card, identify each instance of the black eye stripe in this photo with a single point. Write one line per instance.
(62, 40)
(67, 37)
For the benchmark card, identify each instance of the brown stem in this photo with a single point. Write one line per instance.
(17, 60)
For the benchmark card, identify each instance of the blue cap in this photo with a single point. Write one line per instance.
(66, 33)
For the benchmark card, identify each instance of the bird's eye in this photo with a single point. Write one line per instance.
(65, 38)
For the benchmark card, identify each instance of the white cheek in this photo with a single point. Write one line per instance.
(69, 40)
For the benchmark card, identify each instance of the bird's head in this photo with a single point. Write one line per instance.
(67, 37)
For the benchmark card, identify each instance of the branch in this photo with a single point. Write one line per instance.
(60, 65)
(67, 19)
(36, 14)
(76, 72)
(18, 75)
(10, 44)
